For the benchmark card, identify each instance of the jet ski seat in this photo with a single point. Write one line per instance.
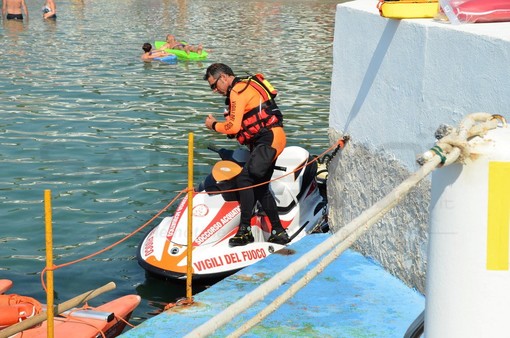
(286, 187)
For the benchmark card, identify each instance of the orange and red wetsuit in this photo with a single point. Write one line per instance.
(251, 113)
(255, 120)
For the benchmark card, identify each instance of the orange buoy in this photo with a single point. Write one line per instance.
(15, 308)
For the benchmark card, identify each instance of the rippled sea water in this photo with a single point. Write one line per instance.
(108, 134)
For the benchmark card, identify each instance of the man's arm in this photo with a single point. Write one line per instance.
(24, 8)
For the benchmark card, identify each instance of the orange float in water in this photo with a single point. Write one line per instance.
(16, 308)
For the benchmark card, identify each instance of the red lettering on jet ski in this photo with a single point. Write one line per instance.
(233, 213)
(217, 223)
(208, 233)
(232, 258)
(149, 246)
(254, 254)
(208, 263)
(177, 217)
(173, 225)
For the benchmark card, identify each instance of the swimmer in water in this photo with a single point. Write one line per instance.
(49, 10)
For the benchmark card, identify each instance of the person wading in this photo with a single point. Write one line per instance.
(254, 119)
(14, 9)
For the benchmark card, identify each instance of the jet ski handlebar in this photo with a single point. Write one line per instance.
(225, 154)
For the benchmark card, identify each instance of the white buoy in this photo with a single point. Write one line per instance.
(468, 275)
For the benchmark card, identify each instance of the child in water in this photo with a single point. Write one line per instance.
(150, 54)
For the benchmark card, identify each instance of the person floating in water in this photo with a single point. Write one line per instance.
(49, 10)
(172, 43)
(150, 54)
(14, 9)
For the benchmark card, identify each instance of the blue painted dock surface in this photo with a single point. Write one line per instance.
(352, 297)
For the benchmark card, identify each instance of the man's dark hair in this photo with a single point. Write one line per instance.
(147, 47)
(216, 69)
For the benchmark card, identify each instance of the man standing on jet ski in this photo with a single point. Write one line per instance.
(255, 120)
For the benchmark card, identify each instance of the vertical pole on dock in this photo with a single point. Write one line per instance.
(49, 263)
(468, 259)
(189, 271)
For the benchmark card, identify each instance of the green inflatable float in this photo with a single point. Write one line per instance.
(181, 54)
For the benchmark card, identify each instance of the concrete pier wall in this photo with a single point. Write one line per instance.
(394, 83)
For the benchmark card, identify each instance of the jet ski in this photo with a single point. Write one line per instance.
(302, 208)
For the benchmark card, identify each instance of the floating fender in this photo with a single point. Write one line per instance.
(468, 275)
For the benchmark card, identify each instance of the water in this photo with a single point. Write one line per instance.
(107, 134)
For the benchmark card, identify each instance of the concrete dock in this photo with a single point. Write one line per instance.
(352, 297)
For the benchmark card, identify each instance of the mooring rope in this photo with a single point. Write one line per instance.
(449, 149)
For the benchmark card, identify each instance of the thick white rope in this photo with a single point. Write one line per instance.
(345, 237)
(339, 242)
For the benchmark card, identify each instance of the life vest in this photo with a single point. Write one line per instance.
(266, 116)
(16, 308)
